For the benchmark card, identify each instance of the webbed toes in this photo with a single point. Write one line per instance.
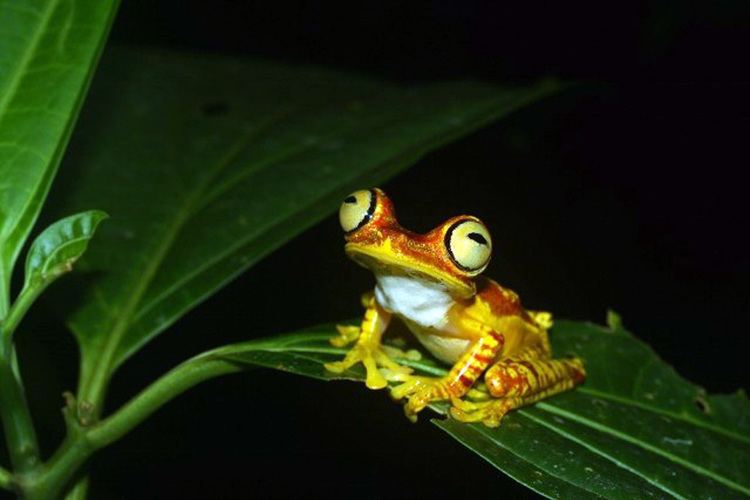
(420, 392)
(372, 357)
(347, 335)
(490, 413)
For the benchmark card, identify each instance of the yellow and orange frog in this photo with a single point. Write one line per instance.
(431, 282)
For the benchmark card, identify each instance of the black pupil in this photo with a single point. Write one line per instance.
(351, 199)
(478, 238)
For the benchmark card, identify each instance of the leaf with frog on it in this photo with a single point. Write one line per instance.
(208, 164)
(634, 429)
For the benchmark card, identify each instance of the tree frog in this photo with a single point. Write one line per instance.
(432, 283)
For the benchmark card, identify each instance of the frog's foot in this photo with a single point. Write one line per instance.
(490, 412)
(420, 392)
(395, 352)
(371, 356)
(347, 335)
(478, 393)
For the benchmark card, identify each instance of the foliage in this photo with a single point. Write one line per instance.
(635, 429)
(204, 164)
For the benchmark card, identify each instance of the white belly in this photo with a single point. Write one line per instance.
(446, 349)
(426, 303)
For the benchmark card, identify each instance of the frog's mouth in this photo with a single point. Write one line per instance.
(380, 261)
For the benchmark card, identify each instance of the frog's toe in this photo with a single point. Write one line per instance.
(398, 372)
(416, 404)
(360, 354)
(395, 352)
(478, 393)
(399, 375)
(465, 405)
(490, 413)
(347, 335)
(409, 387)
(420, 392)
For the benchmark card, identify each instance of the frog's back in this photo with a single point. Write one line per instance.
(501, 309)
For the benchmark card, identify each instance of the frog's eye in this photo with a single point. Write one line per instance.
(357, 209)
(469, 245)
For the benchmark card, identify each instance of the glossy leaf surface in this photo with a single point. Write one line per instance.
(58, 247)
(206, 165)
(48, 51)
(635, 429)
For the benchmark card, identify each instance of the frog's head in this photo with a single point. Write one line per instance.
(453, 253)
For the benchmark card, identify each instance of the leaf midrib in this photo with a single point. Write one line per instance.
(251, 169)
(196, 271)
(104, 364)
(20, 71)
(71, 242)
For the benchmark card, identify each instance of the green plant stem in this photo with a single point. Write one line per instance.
(4, 293)
(6, 479)
(80, 490)
(17, 425)
(83, 441)
(174, 383)
(51, 481)
(18, 311)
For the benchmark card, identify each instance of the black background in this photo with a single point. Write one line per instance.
(625, 191)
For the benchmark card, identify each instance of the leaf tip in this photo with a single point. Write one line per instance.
(614, 320)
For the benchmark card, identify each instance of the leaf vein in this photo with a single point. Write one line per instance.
(599, 452)
(676, 416)
(643, 444)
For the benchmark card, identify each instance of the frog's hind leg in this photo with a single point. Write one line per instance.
(520, 380)
(421, 391)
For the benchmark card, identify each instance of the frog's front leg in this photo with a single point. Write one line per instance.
(423, 390)
(368, 349)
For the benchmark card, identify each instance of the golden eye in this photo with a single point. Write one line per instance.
(469, 245)
(357, 209)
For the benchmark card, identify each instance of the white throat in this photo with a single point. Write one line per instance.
(421, 301)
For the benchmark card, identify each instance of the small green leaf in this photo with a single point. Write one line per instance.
(48, 51)
(209, 164)
(52, 254)
(58, 247)
(634, 429)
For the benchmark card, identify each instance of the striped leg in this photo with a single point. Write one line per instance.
(423, 390)
(518, 381)
(368, 349)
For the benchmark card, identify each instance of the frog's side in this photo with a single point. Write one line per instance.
(430, 281)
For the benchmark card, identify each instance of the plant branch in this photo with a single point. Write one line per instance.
(18, 311)
(170, 385)
(4, 293)
(6, 479)
(83, 441)
(79, 490)
(19, 430)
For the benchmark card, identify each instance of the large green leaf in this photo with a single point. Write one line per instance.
(48, 51)
(208, 164)
(634, 429)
